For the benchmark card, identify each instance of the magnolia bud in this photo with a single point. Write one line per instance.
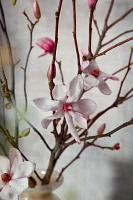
(36, 10)
(91, 3)
(51, 74)
(14, 2)
(116, 146)
(101, 129)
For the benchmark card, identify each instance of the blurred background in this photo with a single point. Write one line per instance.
(98, 174)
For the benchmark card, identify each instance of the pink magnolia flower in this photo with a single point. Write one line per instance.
(69, 105)
(14, 173)
(95, 78)
(47, 45)
(90, 3)
(36, 10)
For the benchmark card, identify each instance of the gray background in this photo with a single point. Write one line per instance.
(98, 174)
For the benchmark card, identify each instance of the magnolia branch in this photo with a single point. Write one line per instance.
(31, 29)
(75, 36)
(114, 46)
(128, 123)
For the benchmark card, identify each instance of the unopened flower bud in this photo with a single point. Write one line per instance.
(51, 74)
(116, 146)
(91, 3)
(14, 2)
(101, 129)
(36, 10)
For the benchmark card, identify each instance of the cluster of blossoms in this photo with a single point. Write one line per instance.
(67, 101)
(14, 173)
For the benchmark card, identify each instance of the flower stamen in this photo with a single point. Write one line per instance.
(5, 177)
(67, 107)
(95, 73)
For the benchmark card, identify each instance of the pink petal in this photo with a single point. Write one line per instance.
(83, 52)
(104, 88)
(71, 127)
(105, 75)
(15, 159)
(75, 89)
(84, 65)
(92, 66)
(84, 106)
(24, 170)
(91, 81)
(19, 185)
(45, 122)
(47, 104)
(39, 45)
(60, 93)
(78, 119)
(7, 193)
(43, 54)
(4, 165)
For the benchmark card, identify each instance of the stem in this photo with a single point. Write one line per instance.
(75, 36)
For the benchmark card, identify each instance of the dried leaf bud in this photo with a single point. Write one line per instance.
(14, 2)
(51, 74)
(91, 3)
(36, 10)
(116, 146)
(101, 129)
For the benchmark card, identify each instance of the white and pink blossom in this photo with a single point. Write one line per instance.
(95, 78)
(14, 173)
(47, 45)
(68, 104)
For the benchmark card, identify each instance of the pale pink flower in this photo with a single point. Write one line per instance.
(36, 10)
(67, 103)
(51, 73)
(47, 45)
(14, 173)
(90, 3)
(95, 78)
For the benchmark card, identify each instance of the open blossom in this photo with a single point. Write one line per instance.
(36, 10)
(47, 45)
(95, 78)
(67, 103)
(14, 173)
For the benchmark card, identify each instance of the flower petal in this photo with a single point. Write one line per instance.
(19, 185)
(4, 165)
(43, 54)
(84, 65)
(91, 81)
(78, 119)
(7, 193)
(47, 104)
(105, 75)
(84, 106)
(15, 159)
(71, 127)
(60, 93)
(92, 66)
(45, 122)
(75, 89)
(104, 88)
(24, 170)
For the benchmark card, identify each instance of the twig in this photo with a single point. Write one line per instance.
(120, 18)
(61, 72)
(114, 46)
(96, 25)
(125, 32)
(31, 29)
(128, 69)
(128, 123)
(75, 36)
